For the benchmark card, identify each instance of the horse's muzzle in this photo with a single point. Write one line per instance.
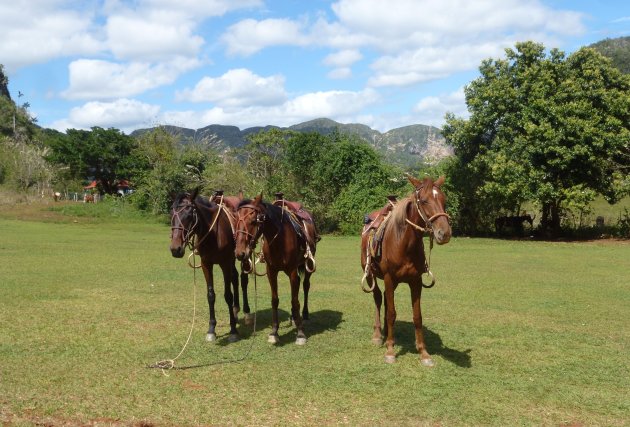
(178, 252)
(241, 255)
(442, 237)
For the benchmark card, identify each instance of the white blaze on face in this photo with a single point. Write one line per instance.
(435, 193)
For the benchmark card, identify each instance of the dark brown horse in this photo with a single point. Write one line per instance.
(401, 257)
(284, 248)
(207, 227)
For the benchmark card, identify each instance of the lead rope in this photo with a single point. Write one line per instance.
(168, 364)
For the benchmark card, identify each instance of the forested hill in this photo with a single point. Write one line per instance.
(409, 145)
(618, 50)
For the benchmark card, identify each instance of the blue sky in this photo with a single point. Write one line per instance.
(193, 63)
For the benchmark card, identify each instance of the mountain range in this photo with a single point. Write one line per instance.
(407, 146)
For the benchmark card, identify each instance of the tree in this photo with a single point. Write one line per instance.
(543, 127)
(99, 154)
(163, 166)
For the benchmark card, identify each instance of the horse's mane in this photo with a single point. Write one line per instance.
(273, 212)
(397, 222)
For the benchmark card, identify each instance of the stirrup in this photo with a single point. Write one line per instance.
(309, 257)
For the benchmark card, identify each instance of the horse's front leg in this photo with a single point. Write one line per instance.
(249, 319)
(272, 275)
(390, 318)
(295, 307)
(207, 272)
(234, 280)
(229, 299)
(377, 337)
(416, 294)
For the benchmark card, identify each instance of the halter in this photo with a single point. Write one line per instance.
(178, 224)
(428, 222)
(260, 220)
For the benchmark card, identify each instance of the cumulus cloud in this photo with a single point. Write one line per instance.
(236, 88)
(40, 30)
(97, 79)
(250, 36)
(136, 38)
(124, 114)
(432, 109)
(340, 105)
(418, 40)
(432, 40)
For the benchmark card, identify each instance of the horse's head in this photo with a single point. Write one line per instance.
(430, 202)
(249, 226)
(184, 219)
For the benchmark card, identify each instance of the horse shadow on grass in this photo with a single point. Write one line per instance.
(406, 339)
(319, 322)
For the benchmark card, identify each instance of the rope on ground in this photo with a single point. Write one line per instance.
(168, 364)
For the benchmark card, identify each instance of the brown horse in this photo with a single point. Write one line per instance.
(402, 258)
(284, 249)
(193, 216)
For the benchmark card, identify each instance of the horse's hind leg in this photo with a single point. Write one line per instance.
(390, 318)
(212, 324)
(416, 293)
(377, 337)
(229, 299)
(272, 275)
(295, 307)
(307, 286)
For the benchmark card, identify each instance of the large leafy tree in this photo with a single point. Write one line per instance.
(543, 127)
(99, 154)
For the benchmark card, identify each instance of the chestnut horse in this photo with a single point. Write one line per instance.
(193, 216)
(284, 248)
(402, 258)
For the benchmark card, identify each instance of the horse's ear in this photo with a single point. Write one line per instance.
(439, 181)
(172, 195)
(414, 181)
(258, 199)
(194, 193)
(240, 194)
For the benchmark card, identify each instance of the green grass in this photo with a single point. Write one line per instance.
(523, 333)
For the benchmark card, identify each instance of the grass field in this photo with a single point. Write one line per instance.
(523, 333)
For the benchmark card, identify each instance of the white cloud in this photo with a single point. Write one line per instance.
(339, 105)
(340, 73)
(141, 39)
(431, 110)
(250, 36)
(96, 79)
(236, 88)
(343, 58)
(124, 114)
(38, 31)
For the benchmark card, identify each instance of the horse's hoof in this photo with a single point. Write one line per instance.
(429, 363)
(377, 341)
(300, 340)
(273, 339)
(211, 337)
(390, 358)
(248, 319)
(233, 338)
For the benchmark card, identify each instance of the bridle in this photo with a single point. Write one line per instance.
(178, 224)
(428, 226)
(248, 265)
(252, 238)
(428, 221)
